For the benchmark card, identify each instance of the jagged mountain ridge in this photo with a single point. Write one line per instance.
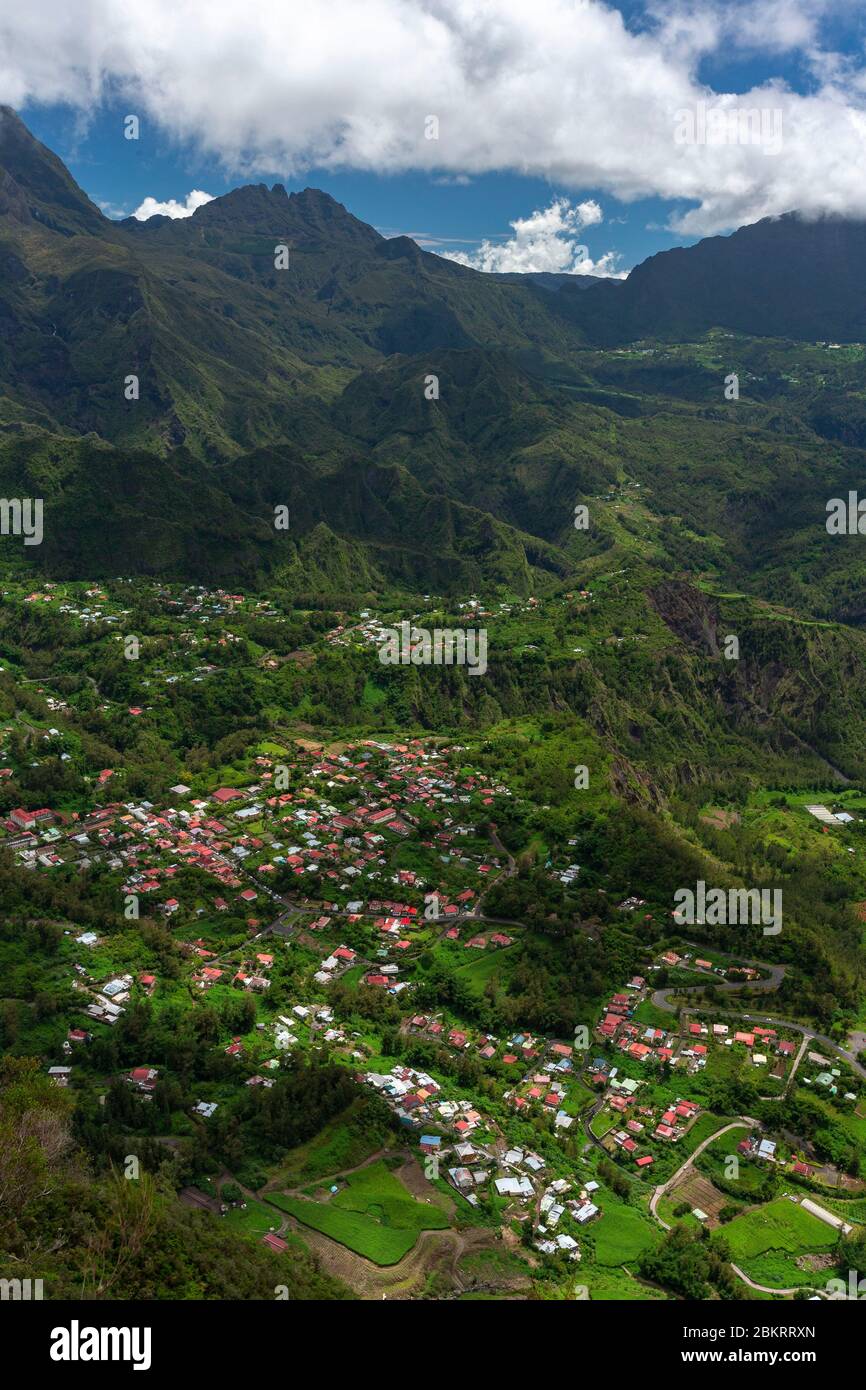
(299, 382)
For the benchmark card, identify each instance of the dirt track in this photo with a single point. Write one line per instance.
(435, 1252)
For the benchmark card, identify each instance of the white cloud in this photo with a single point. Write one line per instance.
(151, 207)
(556, 88)
(546, 240)
(770, 26)
(113, 210)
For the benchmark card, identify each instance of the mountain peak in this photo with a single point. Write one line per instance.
(36, 187)
(251, 205)
(323, 214)
(310, 215)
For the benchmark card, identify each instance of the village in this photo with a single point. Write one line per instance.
(306, 869)
(313, 889)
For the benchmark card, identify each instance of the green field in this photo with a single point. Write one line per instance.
(781, 1225)
(343, 1143)
(647, 1012)
(254, 1220)
(853, 1210)
(751, 1177)
(621, 1234)
(614, 1285)
(373, 1215)
(765, 1242)
(487, 965)
(601, 1123)
(495, 1265)
(703, 1127)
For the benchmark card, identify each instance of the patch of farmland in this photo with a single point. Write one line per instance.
(373, 1215)
(696, 1189)
(780, 1225)
(622, 1233)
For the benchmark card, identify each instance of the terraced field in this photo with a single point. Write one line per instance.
(374, 1215)
(766, 1243)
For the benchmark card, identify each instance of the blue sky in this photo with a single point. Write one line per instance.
(442, 215)
(568, 100)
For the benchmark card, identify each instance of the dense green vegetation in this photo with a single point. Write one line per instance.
(121, 1238)
(253, 789)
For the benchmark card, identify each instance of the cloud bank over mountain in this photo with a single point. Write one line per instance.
(152, 207)
(562, 89)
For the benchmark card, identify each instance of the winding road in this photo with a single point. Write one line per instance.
(661, 997)
(744, 1122)
(662, 1000)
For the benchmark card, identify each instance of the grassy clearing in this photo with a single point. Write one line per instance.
(373, 1215)
(488, 965)
(648, 1013)
(776, 1270)
(615, 1285)
(621, 1234)
(493, 1266)
(340, 1145)
(703, 1127)
(751, 1177)
(255, 1220)
(781, 1225)
(766, 1241)
(601, 1123)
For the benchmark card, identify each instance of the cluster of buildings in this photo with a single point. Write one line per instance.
(638, 1124)
(242, 836)
(556, 1204)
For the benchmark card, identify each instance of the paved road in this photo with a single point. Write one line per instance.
(764, 1288)
(661, 997)
(807, 1033)
(744, 1123)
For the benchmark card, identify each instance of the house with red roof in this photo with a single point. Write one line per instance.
(208, 975)
(27, 820)
(144, 1078)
